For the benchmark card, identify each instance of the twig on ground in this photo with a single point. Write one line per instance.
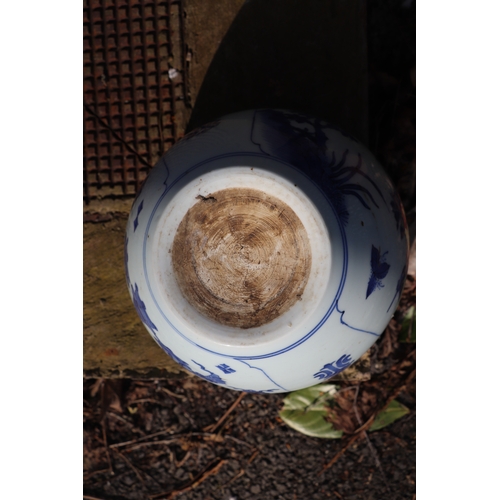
(226, 424)
(370, 445)
(175, 437)
(212, 469)
(368, 423)
(86, 497)
(93, 473)
(133, 441)
(213, 427)
(375, 456)
(254, 454)
(129, 463)
(209, 436)
(143, 400)
(151, 443)
(95, 387)
(170, 393)
(121, 419)
(183, 461)
(355, 405)
(236, 476)
(103, 426)
(236, 440)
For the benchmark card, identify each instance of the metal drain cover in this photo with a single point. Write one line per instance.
(133, 82)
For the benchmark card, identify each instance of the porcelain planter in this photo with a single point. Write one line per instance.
(266, 251)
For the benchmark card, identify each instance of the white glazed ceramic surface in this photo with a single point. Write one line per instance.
(352, 218)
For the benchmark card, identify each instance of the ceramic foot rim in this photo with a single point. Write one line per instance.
(241, 257)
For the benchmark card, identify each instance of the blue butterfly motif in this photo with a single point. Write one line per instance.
(380, 268)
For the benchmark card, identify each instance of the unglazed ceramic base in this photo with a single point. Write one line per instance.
(241, 257)
(266, 251)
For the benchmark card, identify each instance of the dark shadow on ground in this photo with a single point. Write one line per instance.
(392, 92)
(306, 56)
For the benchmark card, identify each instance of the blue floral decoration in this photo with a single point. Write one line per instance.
(200, 130)
(172, 355)
(141, 310)
(140, 307)
(212, 377)
(136, 220)
(225, 368)
(302, 142)
(379, 270)
(334, 368)
(127, 277)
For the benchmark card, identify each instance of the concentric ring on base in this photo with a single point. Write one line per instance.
(241, 257)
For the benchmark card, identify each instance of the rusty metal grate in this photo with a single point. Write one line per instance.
(131, 88)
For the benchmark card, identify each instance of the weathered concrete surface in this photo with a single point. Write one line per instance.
(310, 56)
(115, 341)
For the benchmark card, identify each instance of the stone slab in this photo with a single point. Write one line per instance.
(116, 344)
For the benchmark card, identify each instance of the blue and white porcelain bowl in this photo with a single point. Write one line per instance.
(266, 251)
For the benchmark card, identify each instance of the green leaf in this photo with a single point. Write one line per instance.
(392, 413)
(409, 326)
(304, 411)
(311, 398)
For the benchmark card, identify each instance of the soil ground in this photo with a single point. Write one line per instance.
(253, 455)
(159, 438)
